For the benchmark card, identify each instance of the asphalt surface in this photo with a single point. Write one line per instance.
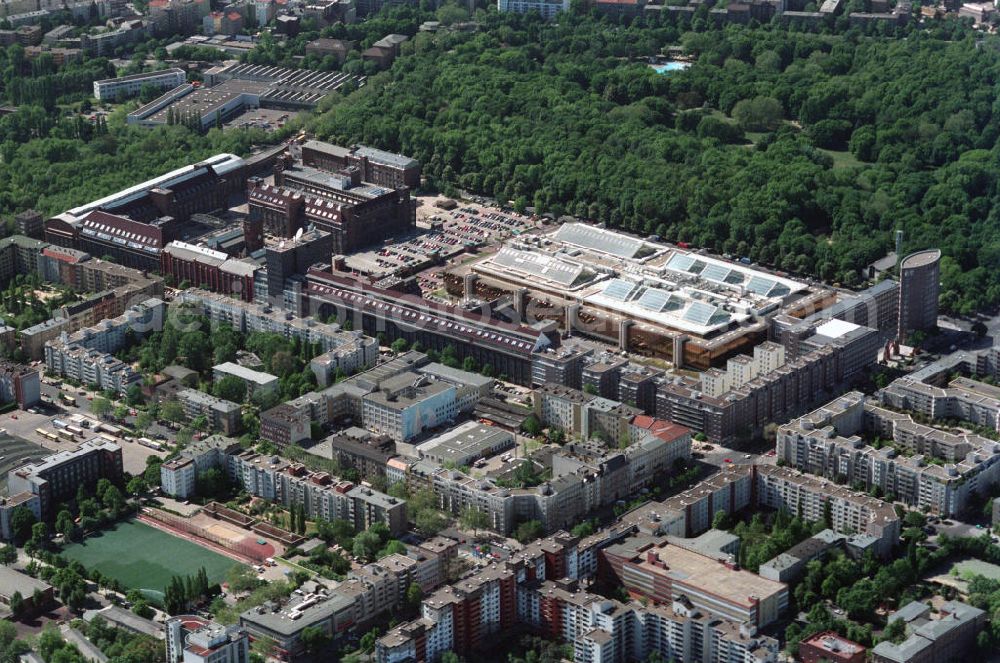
(22, 424)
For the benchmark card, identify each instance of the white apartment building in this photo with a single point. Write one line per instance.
(829, 442)
(245, 317)
(110, 335)
(850, 511)
(741, 369)
(257, 382)
(177, 478)
(91, 367)
(547, 8)
(408, 404)
(111, 89)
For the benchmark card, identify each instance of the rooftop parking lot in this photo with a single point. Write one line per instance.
(441, 234)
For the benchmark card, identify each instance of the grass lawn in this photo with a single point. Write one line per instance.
(957, 574)
(967, 568)
(141, 557)
(842, 159)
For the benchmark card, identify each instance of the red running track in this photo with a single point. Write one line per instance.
(266, 551)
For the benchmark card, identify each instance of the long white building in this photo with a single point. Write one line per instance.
(111, 89)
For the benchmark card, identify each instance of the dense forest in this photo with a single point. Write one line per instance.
(803, 151)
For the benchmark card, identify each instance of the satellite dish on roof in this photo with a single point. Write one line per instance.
(298, 234)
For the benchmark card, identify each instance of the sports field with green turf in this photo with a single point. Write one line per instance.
(142, 557)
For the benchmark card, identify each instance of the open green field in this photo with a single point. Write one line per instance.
(142, 557)
(958, 573)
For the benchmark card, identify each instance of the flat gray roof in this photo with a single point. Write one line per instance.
(14, 581)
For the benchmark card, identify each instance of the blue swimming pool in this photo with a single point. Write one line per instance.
(667, 67)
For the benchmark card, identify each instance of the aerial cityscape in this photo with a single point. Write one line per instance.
(604, 331)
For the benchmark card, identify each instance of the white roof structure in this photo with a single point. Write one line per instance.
(639, 279)
(836, 328)
(540, 265)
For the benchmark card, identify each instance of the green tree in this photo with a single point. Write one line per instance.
(366, 545)
(369, 639)
(720, 520)
(17, 604)
(759, 113)
(230, 388)
(528, 531)
(101, 406)
(8, 555)
(21, 522)
(143, 421)
(314, 639)
(172, 411)
(531, 426)
(136, 486)
(474, 519)
(414, 595)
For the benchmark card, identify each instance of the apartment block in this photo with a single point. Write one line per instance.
(29, 223)
(285, 424)
(939, 638)
(56, 478)
(838, 354)
(324, 496)
(223, 416)
(77, 315)
(581, 414)
(368, 454)
(850, 511)
(90, 366)
(941, 476)
(19, 384)
(112, 334)
(537, 590)
(357, 349)
(652, 568)
(547, 8)
(19, 255)
(193, 639)
(561, 366)
(178, 476)
(8, 505)
(79, 270)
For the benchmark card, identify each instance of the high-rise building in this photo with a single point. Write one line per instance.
(919, 290)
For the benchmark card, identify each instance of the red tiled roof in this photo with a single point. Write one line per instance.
(665, 430)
